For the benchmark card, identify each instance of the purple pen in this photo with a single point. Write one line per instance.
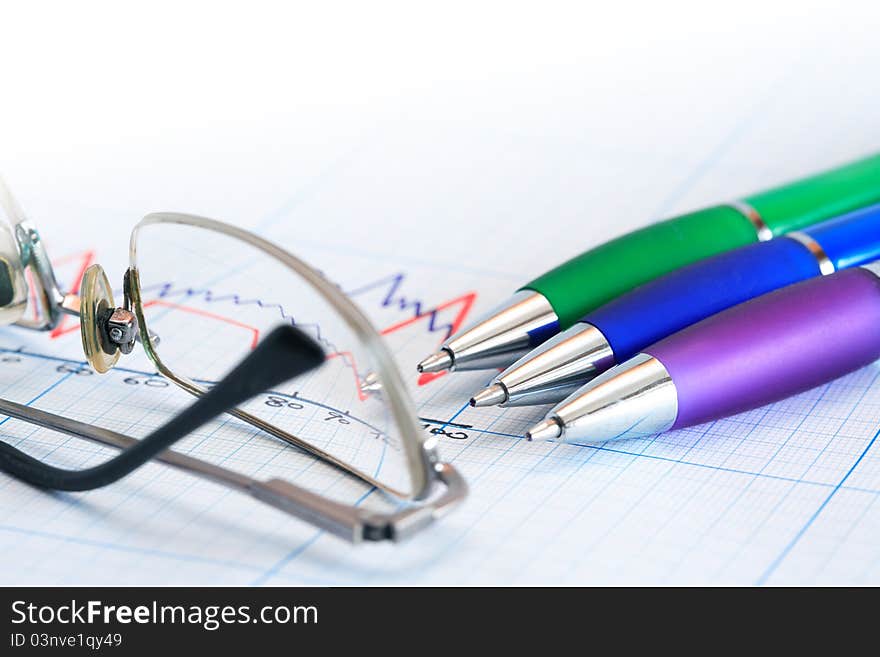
(753, 354)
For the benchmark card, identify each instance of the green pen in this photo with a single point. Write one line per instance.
(556, 300)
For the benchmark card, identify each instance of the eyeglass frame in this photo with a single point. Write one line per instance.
(348, 522)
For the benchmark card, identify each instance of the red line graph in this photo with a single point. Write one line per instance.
(430, 315)
(362, 396)
(466, 301)
(255, 337)
(85, 261)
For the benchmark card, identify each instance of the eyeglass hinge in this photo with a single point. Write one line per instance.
(120, 328)
(398, 526)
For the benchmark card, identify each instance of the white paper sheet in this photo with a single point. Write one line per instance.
(418, 205)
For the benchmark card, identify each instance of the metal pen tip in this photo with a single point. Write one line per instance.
(545, 430)
(371, 383)
(490, 396)
(438, 362)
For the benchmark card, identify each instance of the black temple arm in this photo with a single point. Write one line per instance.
(284, 353)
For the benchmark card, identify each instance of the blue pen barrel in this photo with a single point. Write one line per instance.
(668, 304)
(636, 320)
(850, 240)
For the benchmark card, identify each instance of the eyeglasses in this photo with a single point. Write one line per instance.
(253, 332)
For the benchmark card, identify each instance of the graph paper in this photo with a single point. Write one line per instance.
(425, 223)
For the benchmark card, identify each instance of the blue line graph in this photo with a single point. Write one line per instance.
(391, 287)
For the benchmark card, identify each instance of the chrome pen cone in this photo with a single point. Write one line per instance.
(545, 430)
(557, 368)
(632, 400)
(438, 362)
(496, 340)
(371, 383)
(563, 295)
(491, 396)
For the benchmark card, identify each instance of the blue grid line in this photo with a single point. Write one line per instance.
(137, 490)
(603, 448)
(298, 550)
(803, 530)
(855, 406)
(127, 548)
(292, 555)
(42, 394)
(464, 407)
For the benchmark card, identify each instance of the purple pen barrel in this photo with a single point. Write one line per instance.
(775, 346)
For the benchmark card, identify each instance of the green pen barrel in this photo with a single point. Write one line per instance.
(800, 204)
(591, 279)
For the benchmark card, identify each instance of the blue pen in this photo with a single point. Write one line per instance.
(624, 327)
